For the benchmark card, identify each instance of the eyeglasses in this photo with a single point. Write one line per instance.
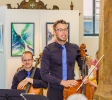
(62, 30)
(25, 60)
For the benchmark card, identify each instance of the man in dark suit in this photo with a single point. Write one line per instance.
(22, 78)
(52, 62)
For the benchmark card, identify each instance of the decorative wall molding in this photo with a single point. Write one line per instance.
(32, 4)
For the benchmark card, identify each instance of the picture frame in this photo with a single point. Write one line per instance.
(1, 37)
(22, 38)
(50, 37)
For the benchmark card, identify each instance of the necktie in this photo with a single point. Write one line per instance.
(28, 74)
(64, 63)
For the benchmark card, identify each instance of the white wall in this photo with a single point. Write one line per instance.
(39, 17)
(3, 54)
(91, 42)
(70, 16)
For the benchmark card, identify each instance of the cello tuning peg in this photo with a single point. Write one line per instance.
(85, 50)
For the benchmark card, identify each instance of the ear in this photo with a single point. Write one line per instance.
(33, 59)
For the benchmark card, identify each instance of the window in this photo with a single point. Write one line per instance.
(91, 10)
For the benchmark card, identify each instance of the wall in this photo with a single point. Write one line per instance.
(92, 45)
(3, 54)
(91, 42)
(61, 14)
(39, 17)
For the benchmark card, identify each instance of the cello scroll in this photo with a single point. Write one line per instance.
(83, 51)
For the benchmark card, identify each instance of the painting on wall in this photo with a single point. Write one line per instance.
(22, 38)
(1, 38)
(50, 37)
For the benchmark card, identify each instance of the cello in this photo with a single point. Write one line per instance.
(77, 89)
(29, 88)
(83, 88)
(72, 90)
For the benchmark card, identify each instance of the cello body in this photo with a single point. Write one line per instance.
(89, 92)
(71, 90)
(86, 89)
(32, 90)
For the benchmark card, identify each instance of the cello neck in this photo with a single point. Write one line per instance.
(32, 75)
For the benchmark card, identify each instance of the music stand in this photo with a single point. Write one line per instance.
(11, 94)
(33, 97)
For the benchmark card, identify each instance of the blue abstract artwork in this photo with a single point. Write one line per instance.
(50, 37)
(22, 38)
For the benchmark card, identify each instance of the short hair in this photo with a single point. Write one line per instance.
(26, 52)
(77, 97)
(61, 21)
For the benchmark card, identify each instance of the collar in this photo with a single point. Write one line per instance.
(60, 46)
(30, 70)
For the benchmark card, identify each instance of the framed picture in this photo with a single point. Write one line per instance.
(50, 37)
(22, 38)
(1, 38)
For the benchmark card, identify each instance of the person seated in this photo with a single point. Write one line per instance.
(95, 62)
(93, 84)
(77, 97)
(22, 78)
(92, 77)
